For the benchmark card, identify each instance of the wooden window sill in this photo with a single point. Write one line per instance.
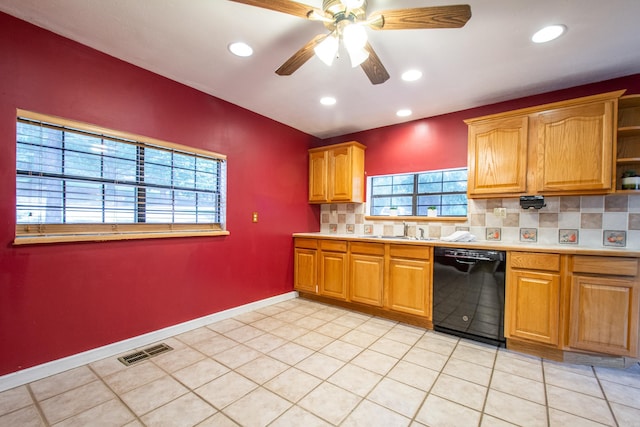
(61, 238)
(418, 218)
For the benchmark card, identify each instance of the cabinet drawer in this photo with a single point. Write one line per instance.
(534, 261)
(367, 248)
(611, 266)
(306, 243)
(333, 245)
(407, 251)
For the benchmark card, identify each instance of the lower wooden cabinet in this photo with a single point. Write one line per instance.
(604, 308)
(305, 259)
(333, 269)
(532, 297)
(366, 268)
(410, 280)
(553, 303)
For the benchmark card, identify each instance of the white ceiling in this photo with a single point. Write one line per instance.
(489, 60)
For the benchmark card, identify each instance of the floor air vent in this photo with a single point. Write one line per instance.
(141, 355)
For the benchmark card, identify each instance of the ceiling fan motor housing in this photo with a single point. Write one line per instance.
(334, 7)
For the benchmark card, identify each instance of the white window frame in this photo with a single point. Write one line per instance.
(415, 194)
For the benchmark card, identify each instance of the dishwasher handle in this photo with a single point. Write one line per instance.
(459, 261)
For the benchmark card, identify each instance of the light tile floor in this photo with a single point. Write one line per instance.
(300, 363)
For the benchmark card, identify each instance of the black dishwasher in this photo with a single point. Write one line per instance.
(468, 293)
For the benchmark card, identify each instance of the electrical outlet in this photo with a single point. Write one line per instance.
(500, 212)
(254, 217)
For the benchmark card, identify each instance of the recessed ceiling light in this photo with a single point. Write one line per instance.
(327, 100)
(403, 113)
(548, 33)
(411, 75)
(240, 49)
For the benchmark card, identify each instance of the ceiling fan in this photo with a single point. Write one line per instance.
(346, 19)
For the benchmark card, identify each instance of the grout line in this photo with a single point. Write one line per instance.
(604, 395)
(36, 403)
(486, 396)
(117, 396)
(459, 343)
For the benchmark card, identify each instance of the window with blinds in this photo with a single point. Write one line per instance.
(81, 180)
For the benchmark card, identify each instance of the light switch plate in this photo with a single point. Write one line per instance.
(500, 212)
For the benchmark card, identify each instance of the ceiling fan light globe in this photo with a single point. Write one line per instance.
(354, 36)
(327, 50)
(357, 56)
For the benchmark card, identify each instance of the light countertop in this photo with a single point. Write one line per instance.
(485, 244)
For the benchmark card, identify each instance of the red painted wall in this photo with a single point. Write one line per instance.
(62, 299)
(441, 142)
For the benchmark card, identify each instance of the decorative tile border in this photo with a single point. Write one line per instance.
(494, 234)
(528, 234)
(617, 238)
(587, 216)
(568, 236)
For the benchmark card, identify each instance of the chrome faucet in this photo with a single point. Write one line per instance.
(421, 233)
(406, 229)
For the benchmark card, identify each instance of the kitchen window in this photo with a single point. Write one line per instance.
(414, 194)
(80, 182)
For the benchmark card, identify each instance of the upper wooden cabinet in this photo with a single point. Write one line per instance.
(575, 147)
(556, 149)
(498, 156)
(336, 173)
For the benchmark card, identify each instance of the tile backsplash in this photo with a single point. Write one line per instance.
(587, 221)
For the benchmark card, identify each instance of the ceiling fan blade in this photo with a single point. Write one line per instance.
(373, 67)
(421, 18)
(300, 57)
(285, 6)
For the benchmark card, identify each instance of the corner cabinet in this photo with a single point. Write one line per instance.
(564, 148)
(305, 265)
(336, 173)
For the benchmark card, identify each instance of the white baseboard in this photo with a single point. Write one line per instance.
(44, 370)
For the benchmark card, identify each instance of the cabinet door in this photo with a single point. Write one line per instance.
(498, 156)
(318, 172)
(410, 286)
(333, 275)
(305, 270)
(532, 306)
(367, 279)
(575, 147)
(604, 315)
(340, 174)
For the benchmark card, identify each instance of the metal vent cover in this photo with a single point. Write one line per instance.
(144, 354)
